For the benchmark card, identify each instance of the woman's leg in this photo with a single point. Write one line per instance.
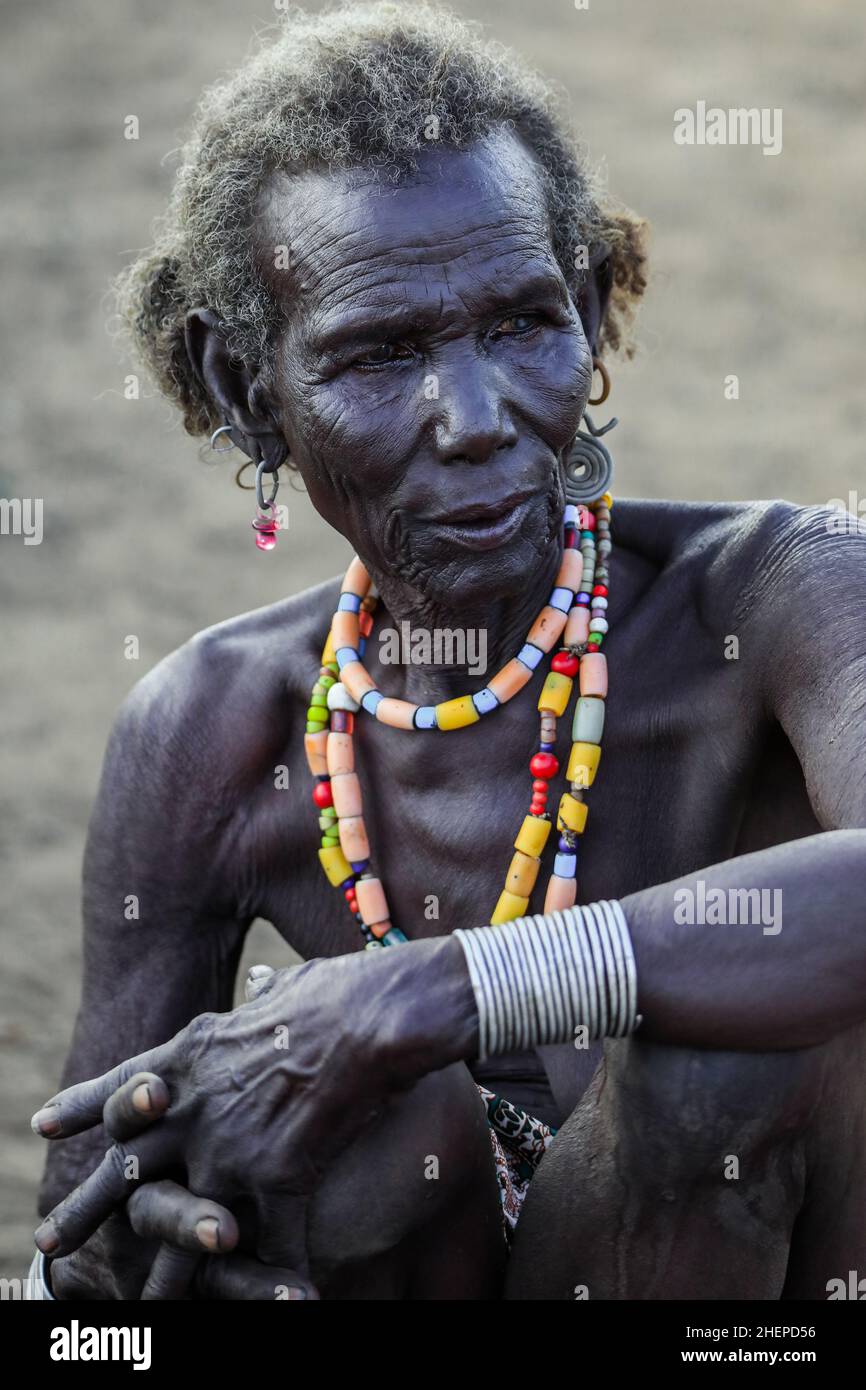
(411, 1209)
(686, 1174)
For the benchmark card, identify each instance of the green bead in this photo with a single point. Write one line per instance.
(315, 726)
(318, 701)
(326, 681)
(596, 637)
(317, 714)
(319, 689)
(332, 666)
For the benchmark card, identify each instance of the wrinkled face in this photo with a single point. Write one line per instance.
(433, 368)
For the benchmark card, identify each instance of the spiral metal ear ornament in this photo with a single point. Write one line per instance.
(589, 468)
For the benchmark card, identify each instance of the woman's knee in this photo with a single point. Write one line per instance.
(415, 1163)
(690, 1102)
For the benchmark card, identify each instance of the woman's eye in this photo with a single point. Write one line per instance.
(516, 324)
(384, 355)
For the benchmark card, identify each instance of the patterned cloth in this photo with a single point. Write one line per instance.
(519, 1143)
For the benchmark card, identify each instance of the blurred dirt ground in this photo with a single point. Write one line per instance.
(758, 271)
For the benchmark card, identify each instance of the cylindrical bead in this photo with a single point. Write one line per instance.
(315, 747)
(570, 571)
(532, 836)
(556, 692)
(456, 714)
(561, 893)
(398, 714)
(546, 630)
(336, 865)
(372, 904)
(357, 579)
(593, 674)
(344, 630)
(583, 763)
(588, 721)
(509, 906)
(577, 627)
(572, 814)
(353, 838)
(513, 677)
(346, 791)
(522, 873)
(341, 754)
(357, 680)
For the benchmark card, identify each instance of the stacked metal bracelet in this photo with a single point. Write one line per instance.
(538, 979)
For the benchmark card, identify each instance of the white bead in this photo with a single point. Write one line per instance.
(600, 625)
(339, 698)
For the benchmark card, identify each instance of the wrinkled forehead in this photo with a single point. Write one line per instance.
(463, 216)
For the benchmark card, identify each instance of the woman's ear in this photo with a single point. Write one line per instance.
(237, 391)
(593, 296)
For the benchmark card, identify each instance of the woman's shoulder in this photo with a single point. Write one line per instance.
(234, 679)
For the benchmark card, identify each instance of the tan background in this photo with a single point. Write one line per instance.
(758, 270)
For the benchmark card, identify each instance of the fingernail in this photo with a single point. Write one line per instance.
(141, 1098)
(46, 1237)
(46, 1121)
(208, 1232)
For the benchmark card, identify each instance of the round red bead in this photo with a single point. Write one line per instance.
(544, 765)
(565, 664)
(600, 591)
(592, 647)
(322, 794)
(539, 787)
(537, 808)
(586, 519)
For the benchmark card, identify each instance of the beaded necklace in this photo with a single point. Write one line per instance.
(576, 611)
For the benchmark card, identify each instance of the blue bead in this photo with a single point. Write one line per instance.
(565, 866)
(547, 747)
(362, 646)
(570, 517)
(485, 701)
(425, 717)
(564, 846)
(561, 599)
(349, 603)
(362, 864)
(530, 655)
(582, 600)
(345, 655)
(371, 700)
(393, 937)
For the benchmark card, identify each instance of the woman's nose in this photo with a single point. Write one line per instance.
(472, 421)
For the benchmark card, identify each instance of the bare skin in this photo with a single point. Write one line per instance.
(706, 760)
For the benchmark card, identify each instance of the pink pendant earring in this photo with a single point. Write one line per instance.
(265, 523)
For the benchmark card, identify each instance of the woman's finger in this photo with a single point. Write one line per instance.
(171, 1275)
(81, 1213)
(168, 1212)
(239, 1277)
(80, 1107)
(135, 1105)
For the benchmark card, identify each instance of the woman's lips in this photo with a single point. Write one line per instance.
(485, 533)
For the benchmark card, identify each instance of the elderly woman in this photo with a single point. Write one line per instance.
(384, 266)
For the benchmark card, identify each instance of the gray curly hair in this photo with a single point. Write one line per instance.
(360, 84)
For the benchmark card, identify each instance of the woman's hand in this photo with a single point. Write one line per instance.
(263, 1098)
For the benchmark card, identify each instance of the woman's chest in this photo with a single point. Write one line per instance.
(442, 810)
